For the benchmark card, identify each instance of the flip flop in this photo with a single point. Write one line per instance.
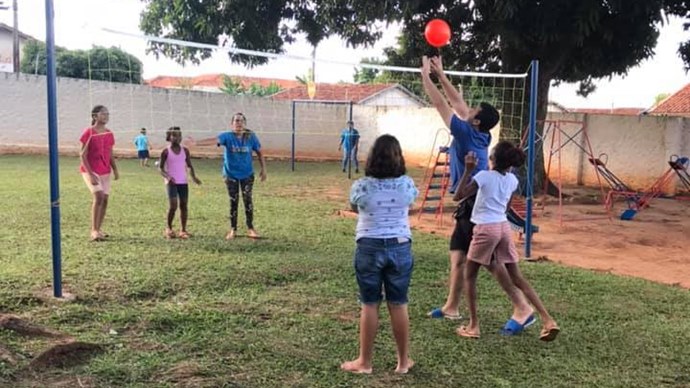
(513, 327)
(462, 331)
(438, 313)
(548, 335)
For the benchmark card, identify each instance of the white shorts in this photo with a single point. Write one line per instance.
(102, 185)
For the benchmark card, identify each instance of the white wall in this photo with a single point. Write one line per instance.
(638, 147)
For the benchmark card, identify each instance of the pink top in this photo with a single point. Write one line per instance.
(99, 148)
(176, 165)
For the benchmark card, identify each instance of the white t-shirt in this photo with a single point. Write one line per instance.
(383, 206)
(495, 190)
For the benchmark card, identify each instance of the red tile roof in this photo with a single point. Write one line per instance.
(216, 80)
(608, 111)
(334, 92)
(677, 104)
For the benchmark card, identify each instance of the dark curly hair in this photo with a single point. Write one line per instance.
(170, 131)
(505, 155)
(385, 159)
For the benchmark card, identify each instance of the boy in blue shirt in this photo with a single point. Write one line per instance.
(143, 147)
(349, 143)
(238, 171)
(470, 129)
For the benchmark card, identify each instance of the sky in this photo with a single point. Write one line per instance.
(79, 23)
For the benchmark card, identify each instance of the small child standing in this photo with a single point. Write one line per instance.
(492, 243)
(383, 259)
(143, 147)
(175, 160)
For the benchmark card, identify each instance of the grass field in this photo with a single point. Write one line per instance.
(282, 311)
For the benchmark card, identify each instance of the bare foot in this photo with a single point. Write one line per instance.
(251, 233)
(230, 235)
(404, 368)
(355, 366)
(468, 332)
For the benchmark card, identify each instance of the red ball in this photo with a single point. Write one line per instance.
(437, 33)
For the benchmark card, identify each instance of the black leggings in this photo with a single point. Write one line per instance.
(234, 186)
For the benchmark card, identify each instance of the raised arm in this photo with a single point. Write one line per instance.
(434, 94)
(454, 96)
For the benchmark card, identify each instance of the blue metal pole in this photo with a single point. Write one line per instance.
(534, 76)
(51, 81)
(293, 135)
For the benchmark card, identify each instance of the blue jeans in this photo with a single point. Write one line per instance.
(350, 156)
(383, 264)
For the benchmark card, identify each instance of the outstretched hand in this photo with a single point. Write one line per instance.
(436, 65)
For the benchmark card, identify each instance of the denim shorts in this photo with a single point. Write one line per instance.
(383, 265)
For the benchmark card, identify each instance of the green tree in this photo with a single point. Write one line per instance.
(234, 87)
(660, 97)
(575, 41)
(97, 63)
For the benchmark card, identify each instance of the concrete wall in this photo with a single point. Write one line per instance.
(638, 148)
(201, 115)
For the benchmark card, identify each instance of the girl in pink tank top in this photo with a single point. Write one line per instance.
(173, 167)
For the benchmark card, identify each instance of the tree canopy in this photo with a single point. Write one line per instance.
(97, 63)
(574, 40)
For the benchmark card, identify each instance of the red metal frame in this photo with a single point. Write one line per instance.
(431, 174)
(556, 134)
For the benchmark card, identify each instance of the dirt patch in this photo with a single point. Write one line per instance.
(18, 325)
(65, 355)
(186, 374)
(652, 246)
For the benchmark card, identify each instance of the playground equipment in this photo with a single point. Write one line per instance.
(557, 145)
(436, 178)
(637, 201)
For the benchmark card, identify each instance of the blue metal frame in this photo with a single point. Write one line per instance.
(51, 82)
(529, 192)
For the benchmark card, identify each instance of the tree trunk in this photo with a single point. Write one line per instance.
(515, 127)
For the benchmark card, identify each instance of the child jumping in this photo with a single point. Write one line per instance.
(175, 160)
(492, 243)
(383, 259)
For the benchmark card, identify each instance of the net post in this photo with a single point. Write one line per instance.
(293, 136)
(529, 190)
(51, 82)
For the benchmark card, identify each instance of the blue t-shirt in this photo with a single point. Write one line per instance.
(238, 154)
(465, 139)
(383, 206)
(142, 142)
(349, 138)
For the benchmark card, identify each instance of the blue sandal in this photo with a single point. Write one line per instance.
(438, 313)
(513, 327)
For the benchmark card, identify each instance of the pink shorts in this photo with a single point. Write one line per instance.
(103, 183)
(492, 240)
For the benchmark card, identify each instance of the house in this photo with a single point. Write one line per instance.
(555, 107)
(362, 94)
(6, 46)
(214, 82)
(677, 104)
